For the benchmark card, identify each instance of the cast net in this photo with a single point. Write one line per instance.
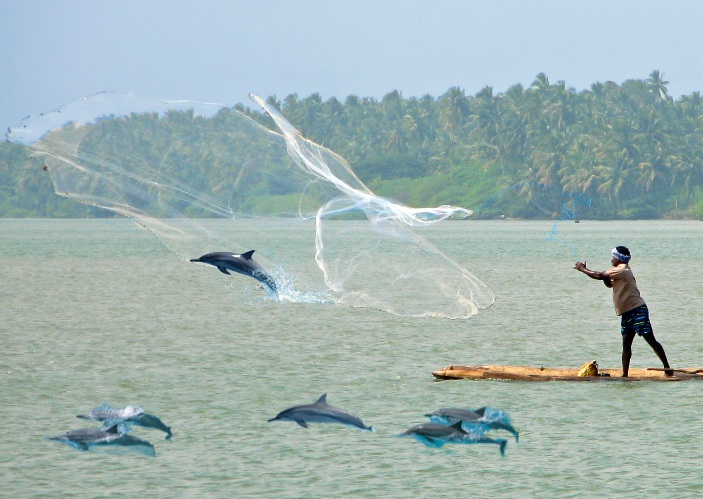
(205, 178)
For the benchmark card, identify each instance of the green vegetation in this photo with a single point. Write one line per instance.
(629, 150)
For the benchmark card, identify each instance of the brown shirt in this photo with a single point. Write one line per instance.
(626, 295)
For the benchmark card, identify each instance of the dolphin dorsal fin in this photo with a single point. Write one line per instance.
(112, 429)
(322, 400)
(247, 255)
(457, 426)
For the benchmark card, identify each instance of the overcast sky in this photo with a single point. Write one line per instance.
(56, 51)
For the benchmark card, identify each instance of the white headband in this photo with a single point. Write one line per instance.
(620, 256)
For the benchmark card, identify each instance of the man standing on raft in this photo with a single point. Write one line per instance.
(629, 305)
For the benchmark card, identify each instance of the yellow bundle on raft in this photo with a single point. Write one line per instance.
(589, 369)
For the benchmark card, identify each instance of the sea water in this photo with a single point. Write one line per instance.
(98, 311)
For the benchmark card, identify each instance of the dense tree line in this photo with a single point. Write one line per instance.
(613, 151)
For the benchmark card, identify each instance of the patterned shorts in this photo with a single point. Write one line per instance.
(636, 321)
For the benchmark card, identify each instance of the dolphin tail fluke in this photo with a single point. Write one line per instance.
(499, 425)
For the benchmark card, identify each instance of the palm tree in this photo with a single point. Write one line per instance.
(657, 85)
(454, 111)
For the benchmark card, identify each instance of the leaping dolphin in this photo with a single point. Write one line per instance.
(320, 412)
(242, 264)
(495, 419)
(130, 415)
(86, 438)
(436, 435)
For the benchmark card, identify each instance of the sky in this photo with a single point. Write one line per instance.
(57, 51)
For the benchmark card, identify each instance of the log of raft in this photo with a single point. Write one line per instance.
(526, 373)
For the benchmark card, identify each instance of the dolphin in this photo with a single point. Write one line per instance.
(320, 412)
(436, 435)
(130, 415)
(474, 420)
(242, 264)
(85, 438)
(107, 413)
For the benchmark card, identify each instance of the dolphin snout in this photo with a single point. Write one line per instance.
(195, 260)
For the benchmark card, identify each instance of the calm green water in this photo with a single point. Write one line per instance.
(98, 311)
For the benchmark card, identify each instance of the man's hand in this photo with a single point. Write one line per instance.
(600, 276)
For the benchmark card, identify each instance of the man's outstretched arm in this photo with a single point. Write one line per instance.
(599, 276)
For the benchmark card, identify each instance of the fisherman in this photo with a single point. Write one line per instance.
(629, 305)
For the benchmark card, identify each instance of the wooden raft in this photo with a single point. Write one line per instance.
(525, 373)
